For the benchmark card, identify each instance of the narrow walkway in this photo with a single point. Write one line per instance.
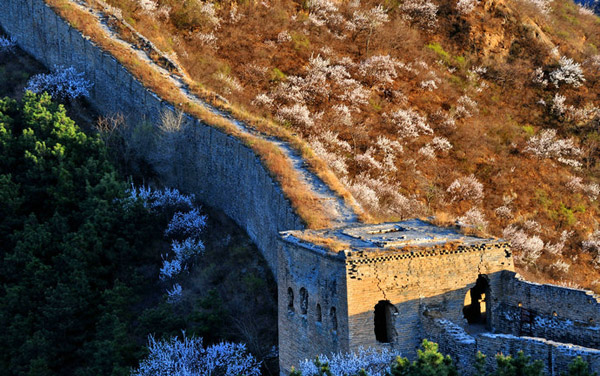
(339, 212)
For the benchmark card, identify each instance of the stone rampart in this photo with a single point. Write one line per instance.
(547, 311)
(555, 356)
(218, 168)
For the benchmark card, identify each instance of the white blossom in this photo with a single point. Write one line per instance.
(208, 39)
(167, 198)
(466, 107)
(466, 188)
(187, 248)
(504, 212)
(558, 105)
(529, 248)
(539, 77)
(465, 7)
(7, 44)
(380, 68)
(298, 114)
(367, 20)
(62, 83)
(568, 72)
(188, 224)
(409, 123)
(284, 37)
(474, 217)
(263, 100)
(560, 266)
(175, 293)
(421, 12)
(373, 362)
(170, 269)
(148, 6)
(547, 145)
(188, 357)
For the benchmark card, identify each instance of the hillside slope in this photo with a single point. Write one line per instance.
(482, 111)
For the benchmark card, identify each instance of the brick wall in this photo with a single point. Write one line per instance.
(432, 281)
(302, 336)
(557, 313)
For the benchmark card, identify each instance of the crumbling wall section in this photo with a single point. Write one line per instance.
(452, 339)
(196, 158)
(555, 356)
(540, 310)
(464, 347)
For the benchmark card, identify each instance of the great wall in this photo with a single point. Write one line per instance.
(391, 286)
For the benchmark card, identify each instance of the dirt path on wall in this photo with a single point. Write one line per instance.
(339, 212)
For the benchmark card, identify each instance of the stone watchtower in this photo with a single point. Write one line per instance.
(381, 285)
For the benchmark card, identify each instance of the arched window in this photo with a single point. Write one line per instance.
(318, 314)
(475, 308)
(385, 312)
(333, 318)
(303, 301)
(290, 300)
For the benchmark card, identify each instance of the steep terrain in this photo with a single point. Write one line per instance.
(486, 112)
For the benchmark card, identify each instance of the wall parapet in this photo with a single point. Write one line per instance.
(218, 168)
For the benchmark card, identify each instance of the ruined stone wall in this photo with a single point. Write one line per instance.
(554, 355)
(452, 339)
(432, 281)
(199, 159)
(322, 275)
(463, 347)
(557, 313)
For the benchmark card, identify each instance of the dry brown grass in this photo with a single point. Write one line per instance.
(333, 245)
(498, 35)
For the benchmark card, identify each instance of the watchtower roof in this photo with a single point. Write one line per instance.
(393, 236)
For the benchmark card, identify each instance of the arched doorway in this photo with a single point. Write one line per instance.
(476, 306)
(385, 313)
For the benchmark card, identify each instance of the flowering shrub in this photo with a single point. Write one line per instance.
(63, 83)
(370, 361)
(174, 294)
(409, 123)
(547, 145)
(188, 357)
(529, 248)
(466, 107)
(7, 44)
(569, 72)
(380, 68)
(466, 188)
(170, 269)
(421, 12)
(187, 224)
(167, 198)
(473, 218)
(298, 114)
(466, 6)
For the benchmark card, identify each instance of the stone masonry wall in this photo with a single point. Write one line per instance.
(219, 169)
(557, 313)
(417, 283)
(463, 347)
(322, 275)
(555, 356)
